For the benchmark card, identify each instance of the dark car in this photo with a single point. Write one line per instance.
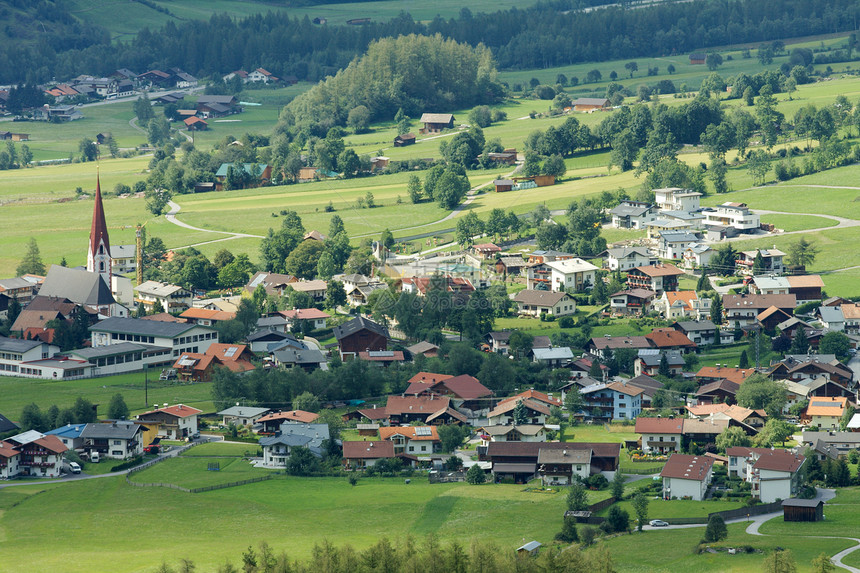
(153, 449)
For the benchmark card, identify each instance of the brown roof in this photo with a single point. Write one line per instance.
(759, 301)
(770, 311)
(206, 314)
(724, 384)
(304, 314)
(540, 297)
(683, 466)
(178, 411)
(449, 411)
(528, 449)
(563, 456)
(292, 415)
(659, 426)
(851, 310)
(374, 413)
(202, 361)
(669, 338)
(623, 388)
(466, 387)
(505, 407)
(428, 378)
(713, 427)
(736, 375)
(410, 432)
(660, 270)
(805, 281)
(415, 404)
(613, 342)
(821, 406)
(368, 450)
(163, 317)
(535, 395)
(779, 461)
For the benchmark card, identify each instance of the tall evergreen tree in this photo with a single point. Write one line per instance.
(32, 263)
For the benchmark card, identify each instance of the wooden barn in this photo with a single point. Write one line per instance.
(803, 510)
(591, 104)
(436, 122)
(503, 185)
(697, 58)
(404, 140)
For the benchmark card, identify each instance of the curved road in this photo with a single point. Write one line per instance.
(171, 217)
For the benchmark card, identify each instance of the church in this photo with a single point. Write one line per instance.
(96, 287)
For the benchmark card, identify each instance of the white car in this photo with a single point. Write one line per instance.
(74, 467)
(658, 523)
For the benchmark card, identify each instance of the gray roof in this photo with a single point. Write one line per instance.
(831, 437)
(295, 356)
(265, 332)
(421, 347)
(591, 101)
(673, 358)
(696, 326)
(683, 215)
(122, 251)
(109, 350)
(7, 425)
(436, 118)
(15, 283)
(624, 252)
(560, 353)
(271, 321)
(145, 327)
(16, 345)
(245, 411)
(112, 431)
(292, 434)
(78, 286)
(678, 237)
(831, 314)
(540, 297)
(629, 210)
(357, 324)
(556, 456)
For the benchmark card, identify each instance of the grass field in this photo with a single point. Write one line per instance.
(670, 509)
(192, 471)
(219, 449)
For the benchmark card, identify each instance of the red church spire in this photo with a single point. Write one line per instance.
(99, 231)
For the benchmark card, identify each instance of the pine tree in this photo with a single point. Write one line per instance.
(703, 283)
(717, 310)
(664, 369)
(32, 263)
(743, 361)
(800, 343)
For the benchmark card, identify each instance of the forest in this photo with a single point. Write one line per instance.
(545, 35)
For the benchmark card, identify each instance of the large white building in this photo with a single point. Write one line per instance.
(676, 199)
(172, 298)
(736, 215)
(177, 337)
(686, 476)
(570, 274)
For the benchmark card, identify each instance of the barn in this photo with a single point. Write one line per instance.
(591, 104)
(803, 510)
(404, 139)
(697, 58)
(436, 122)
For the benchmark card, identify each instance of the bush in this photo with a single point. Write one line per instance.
(716, 529)
(476, 475)
(587, 535)
(565, 322)
(353, 480)
(597, 481)
(618, 519)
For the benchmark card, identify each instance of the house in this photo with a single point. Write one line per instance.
(21, 288)
(436, 122)
(655, 227)
(518, 433)
(362, 455)
(205, 316)
(271, 423)
(686, 476)
(423, 348)
(33, 454)
(546, 256)
(486, 250)
(648, 361)
(242, 415)
(382, 357)
(824, 412)
(275, 323)
(278, 448)
(315, 317)
(465, 392)
(671, 339)
(360, 335)
(570, 274)
(123, 258)
(194, 123)
(171, 298)
(174, 422)
(262, 76)
(721, 391)
(600, 345)
(422, 285)
(558, 467)
(518, 460)
(742, 309)
(676, 199)
(408, 409)
(590, 104)
(701, 332)
(174, 336)
(805, 288)
(540, 302)
(613, 401)
(267, 340)
(412, 440)
(305, 358)
(217, 105)
(648, 385)
(193, 367)
(632, 215)
(510, 266)
(532, 394)
(750, 421)
(631, 301)
(840, 443)
(831, 317)
(253, 174)
(808, 369)
(697, 59)
(503, 413)
(404, 139)
(70, 435)
(315, 289)
(660, 435)
(716, 373)
(771, 261)
(736, 215)
(773, 474)
(552, 357)
(626, 258)
(697, 255)
(673, 244)
(118, 440)
(803, 509)
(683, 304)
(659, 278)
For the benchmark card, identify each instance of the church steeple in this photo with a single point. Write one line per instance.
(98, 255)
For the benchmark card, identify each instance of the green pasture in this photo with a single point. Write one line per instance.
(15, 393)
(597, 433)
(790, 223)
(219, 449)
(676, 508)
(192, 472)
(291, 514)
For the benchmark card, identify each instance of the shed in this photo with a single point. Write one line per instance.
(404, 139)
(803, 509)
(503, 185)
(531, 548)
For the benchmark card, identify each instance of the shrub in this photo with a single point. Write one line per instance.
(476, 475)
(565, 322)
(353, 480)
(618, 519)
(716, 529)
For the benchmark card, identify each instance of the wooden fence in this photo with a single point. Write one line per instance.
(752, 510)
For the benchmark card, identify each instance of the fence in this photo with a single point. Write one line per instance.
(647, 470)
(447, 477)
(595, 507)
(752, 510)
(200, 489)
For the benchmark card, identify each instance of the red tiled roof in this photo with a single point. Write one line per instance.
(659, 426)
(661, 270)
(179, 411)
(410, 432)
(669, 338)
(52, 443)
(683, 466)
(206, 314)
(466, 387)
(736, 375)
(415, 404)
(203, 361)
(368, 450)
(779, 461)
(304, 314)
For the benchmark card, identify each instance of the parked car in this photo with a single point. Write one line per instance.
(74, 467)
(95, 457)
(152, 449)
(658, 523)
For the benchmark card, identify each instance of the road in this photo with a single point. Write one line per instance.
(171, 218)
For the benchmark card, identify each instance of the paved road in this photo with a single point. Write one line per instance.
(171, 217)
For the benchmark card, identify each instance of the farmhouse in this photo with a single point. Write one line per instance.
(660, 435)
(631, 301)
(518, 433)
(271, 423)
(174, 422)
(362, 455)
(686, 476)
(503, 414)
(360, 335)
(32, 454)
(412, 440)
(436, 122)
(558, 467)
(626, 258)
(404, 139)
(118, 440)
(519, 460)
(742, 309)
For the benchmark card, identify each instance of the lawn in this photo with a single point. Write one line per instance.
(193, 471)
(292, 514)
(677, 508)
(15, 393)
(220, 449)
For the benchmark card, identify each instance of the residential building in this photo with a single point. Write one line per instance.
(552, 357)
(408, 409)
(634, 301)
(613, 401)
(558, 467)
(771, 261)
(648, 362)
(632, 215)
(840, 443)
(570, 274)
(687, 477)
(205, 316)
(193, 367)
(486, 250)
(773, 474)
(722, 391)
(412, 440)
(742, 309)
(424, 348)
(599, 345)
(278, 448)
(659, 278)
(123, 258)
(362, 455)
(673, 244)
(174, 336)
(174, 422)
(625, 258)
(736, 215)
(660, 435)
(271, 423)
(701, 332)
(541, 302)
(360, 334)
(518, 460)
(307, 359)
(503, 413)
(808, 369)
(590, 104)
(118, 440)
(465, 392)
(252, 174)
(315, 317)
(261, 75)
(242, 415)
(665, 224)
(749, 420)
(671, 339)
(31, 454)
(697, 255)
(236, 357)
(271, 340)
(511, 266)
(649, 387)
(675, 199)
(518, 433)
(171, 298)
(674, 305)
(21, 288)
(825, 412)
(719, 372)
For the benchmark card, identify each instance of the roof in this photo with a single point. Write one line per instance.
(195, 361)
(422, 347)
(574, 265)
(428, 378)
(826, 406)
(418, 433)
(382, 355)
(624, 252)
(501, 450)
(659, 425)
(710, 426)
(725, 385)
(805, 281)
(290, 355)
(368, 450)
(540, 297)
(466, 387)
(556, 456)
(759, 301)
(112, 431)
(144, 327)
(449, 411)
(649, 385)
(794, 502)
(696, 325)
(558, 353)
(243, 411)
(111, 350)
(487, 247)
(227, 352)
(625, 210)
(736, 375)
(779, 461)
(358, 324)
(525, 429)
(614, 342)
(292, 434)
(16, 345)
(683, 466)
(206, 314)
(533, 394)
(415, 404)
(98, 229)
(291, 415)
(685, 297)
(509, 406)
(640, 293)
(304, 314)
(669, 338)
(156, 288)
(77, 285)
(659, 270)
(623, 388)
(678, 237)
(7, 425)
(436, 118)
(177, 411)
(591, 101)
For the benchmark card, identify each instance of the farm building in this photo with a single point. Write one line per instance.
(436, 122)
(591, 104)
(697, 58)
(404, 140)
(803, 510)
(503, 185)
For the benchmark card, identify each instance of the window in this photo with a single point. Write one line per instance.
(621, 415)
(423, 448)
(117, 442)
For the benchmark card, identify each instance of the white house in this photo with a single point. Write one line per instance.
(518, 433)
(173, 298)
(177, 337)
(538, 302)
(119, 440)
(503, 414)
(277, 448)
(242, 415)
(772, 474)
(736, 215)
(576, 274)
(660, 435)
(675, 199)
(174, 422)
(38, 455)
(412, 440)
(697, 255)
(673, 244)
(632, 215)
(624, 258)
(686, 476)
(557, 467)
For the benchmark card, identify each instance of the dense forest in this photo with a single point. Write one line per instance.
(545, 35)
